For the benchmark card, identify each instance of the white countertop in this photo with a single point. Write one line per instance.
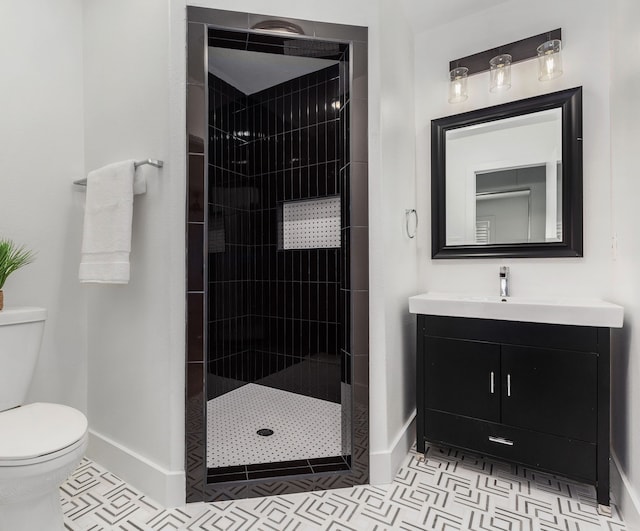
(563, 310)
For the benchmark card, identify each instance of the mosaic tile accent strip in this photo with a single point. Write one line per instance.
(448, 491)
(303, 427)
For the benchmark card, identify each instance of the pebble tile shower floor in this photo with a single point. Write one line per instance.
(303, 427)
(449, 491)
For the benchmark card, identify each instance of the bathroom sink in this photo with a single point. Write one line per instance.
(568, 311)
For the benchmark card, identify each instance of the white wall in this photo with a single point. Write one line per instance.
(393, 266)
(356, 12)
(136, 331)
(625, 277)
(41, 153)
(506, 23)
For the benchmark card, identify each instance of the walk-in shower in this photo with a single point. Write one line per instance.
(274, 259)
(277, 355)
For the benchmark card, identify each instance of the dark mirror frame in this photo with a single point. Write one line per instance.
(570, 102)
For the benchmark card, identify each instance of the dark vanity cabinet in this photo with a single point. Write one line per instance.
(531, 393)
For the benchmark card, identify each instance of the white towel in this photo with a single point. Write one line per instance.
(106, 239)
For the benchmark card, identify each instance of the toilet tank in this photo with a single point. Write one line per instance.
(20, 337)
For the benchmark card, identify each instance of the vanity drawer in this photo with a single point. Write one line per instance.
(575, 459)
(565, 337)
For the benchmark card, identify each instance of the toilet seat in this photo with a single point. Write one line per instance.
(39, 432)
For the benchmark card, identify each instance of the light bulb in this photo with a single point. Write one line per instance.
(500, 73)
(458, 85)
(549, 60)
(549, 65)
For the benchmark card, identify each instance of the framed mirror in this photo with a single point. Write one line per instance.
(506, 181)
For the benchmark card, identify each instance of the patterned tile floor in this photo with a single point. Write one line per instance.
(304, 427)
(447, 491)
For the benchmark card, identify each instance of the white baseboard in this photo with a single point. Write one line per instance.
(625, 498)
(383, 466)
(164, 486)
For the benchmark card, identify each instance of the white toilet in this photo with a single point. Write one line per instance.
(40, 444)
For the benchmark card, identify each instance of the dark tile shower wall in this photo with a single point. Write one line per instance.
(294, 156)
(274, 314)
(232, 197)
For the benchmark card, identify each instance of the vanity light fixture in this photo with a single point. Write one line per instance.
(500, 73)
(545, 46)
(458, 85)
(550, 60)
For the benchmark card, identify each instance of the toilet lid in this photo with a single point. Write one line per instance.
(39, 429)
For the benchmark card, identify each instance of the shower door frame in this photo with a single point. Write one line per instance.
(355, 288)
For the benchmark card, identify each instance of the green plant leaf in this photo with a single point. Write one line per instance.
(12, 257)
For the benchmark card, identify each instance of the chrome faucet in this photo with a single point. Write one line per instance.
(504, 281)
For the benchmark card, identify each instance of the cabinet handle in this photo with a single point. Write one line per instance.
(501, 440)
(508, 385)
(492, 383)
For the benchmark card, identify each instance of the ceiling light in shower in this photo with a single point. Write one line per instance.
(500, 73)
(279, 26)
(550, 60)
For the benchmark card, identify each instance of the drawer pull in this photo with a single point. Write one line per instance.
(492, 383)
(501, 440)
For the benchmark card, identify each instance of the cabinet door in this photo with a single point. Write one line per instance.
(462, 377)
(552, 391)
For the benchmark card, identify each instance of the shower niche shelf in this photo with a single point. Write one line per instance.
(310, 224)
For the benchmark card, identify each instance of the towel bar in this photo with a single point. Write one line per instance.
(151, 162)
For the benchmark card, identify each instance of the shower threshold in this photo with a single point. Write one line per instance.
(278, 469)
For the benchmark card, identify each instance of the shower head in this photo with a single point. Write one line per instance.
(311, 48)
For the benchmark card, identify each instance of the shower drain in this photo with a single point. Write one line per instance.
(265, 432)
